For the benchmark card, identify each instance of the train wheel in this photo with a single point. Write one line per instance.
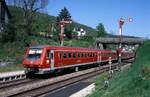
(29, 75)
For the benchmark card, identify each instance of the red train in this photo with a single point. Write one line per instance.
(44, 59)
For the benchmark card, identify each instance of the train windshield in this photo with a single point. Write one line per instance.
(34, 54)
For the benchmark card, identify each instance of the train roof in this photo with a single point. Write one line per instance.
(39, 46)
(65, 48)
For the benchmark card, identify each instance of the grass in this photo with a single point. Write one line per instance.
(13, 67)
(134, 82)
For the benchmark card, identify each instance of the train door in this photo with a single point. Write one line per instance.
(99, 57)
(52, 59)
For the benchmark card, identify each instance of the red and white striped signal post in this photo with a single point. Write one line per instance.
(121, 22)
(62, 26)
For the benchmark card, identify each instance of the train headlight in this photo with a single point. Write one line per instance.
(47, 62)
(119, 55)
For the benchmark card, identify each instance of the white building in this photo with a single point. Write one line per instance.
(80, 32)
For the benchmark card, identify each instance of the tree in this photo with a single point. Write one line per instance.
(101, 32)
(64, 14)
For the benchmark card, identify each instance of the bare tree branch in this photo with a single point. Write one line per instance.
(30, 7)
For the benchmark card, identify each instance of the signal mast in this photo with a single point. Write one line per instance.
(62, 24)
(121, 22)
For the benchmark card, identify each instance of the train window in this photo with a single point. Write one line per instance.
(60, 55)
(101, 54)
(69, 55)
(82, 55)
(47, 54)
(74, 55)
(34, 54)
(107, 55)
(90, 54)
(85, 54)
(79, 55)
(93, 55)
(104, 54)
(51, 56)
(111, 54)
(65, 56)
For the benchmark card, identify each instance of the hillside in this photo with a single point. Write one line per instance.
(134, 82)
(42, 20)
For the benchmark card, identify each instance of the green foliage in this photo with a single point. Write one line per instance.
(43, 23)
(12, 50)
(101, 32)
(77, 43)
(13, 67)
(64, 14)
(47, 24)
(17, 17)
(89, 31)
(69, 31)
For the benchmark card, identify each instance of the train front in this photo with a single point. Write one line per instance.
(33, 60)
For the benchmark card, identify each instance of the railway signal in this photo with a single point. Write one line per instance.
(62, 27)
(121, 23)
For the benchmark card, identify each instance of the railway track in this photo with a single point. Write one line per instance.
(19, 83)
(41, 87)
(9, 84)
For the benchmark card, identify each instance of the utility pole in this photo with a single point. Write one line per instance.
(62, 27)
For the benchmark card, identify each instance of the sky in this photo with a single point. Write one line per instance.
(108, 12)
